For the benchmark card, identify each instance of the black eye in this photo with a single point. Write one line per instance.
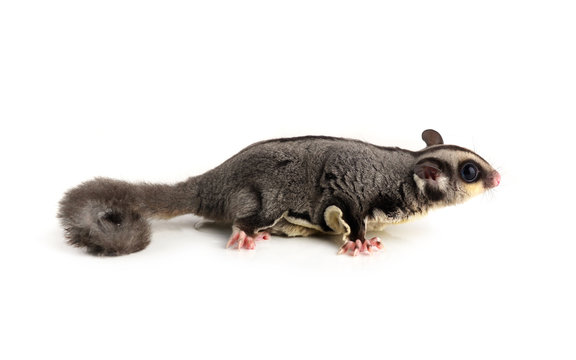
(469, 172)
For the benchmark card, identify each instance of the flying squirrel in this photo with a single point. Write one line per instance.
(290, 186)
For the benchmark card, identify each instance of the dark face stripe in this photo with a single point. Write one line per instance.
(447, 147)
(434, 194)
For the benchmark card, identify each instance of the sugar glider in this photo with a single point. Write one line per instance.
(291, 186)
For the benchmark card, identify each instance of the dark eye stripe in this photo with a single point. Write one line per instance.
(448, 147)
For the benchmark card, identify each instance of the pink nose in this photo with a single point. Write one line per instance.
(494, 179)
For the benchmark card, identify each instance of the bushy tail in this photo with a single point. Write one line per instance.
(110, 217)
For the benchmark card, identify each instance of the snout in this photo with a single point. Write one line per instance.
(493, 179)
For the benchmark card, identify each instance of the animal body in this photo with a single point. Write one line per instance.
(292, 186)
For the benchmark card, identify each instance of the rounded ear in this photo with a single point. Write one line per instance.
(432, 137)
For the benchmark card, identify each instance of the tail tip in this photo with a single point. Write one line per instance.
(103, 222)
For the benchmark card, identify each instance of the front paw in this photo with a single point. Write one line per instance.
(367, 246)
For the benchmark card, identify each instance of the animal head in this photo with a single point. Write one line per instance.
(449, 174)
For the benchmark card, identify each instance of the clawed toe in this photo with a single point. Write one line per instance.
(356, 247)
(244, 240)
(262, 236)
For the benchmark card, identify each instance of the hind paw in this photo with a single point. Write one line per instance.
(244, 240)
(359, 246)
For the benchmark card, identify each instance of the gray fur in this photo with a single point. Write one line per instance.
(284, 186)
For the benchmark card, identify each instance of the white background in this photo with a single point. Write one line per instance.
(159, 91)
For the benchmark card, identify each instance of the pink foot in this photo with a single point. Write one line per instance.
(244, 241)
(359, 246)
